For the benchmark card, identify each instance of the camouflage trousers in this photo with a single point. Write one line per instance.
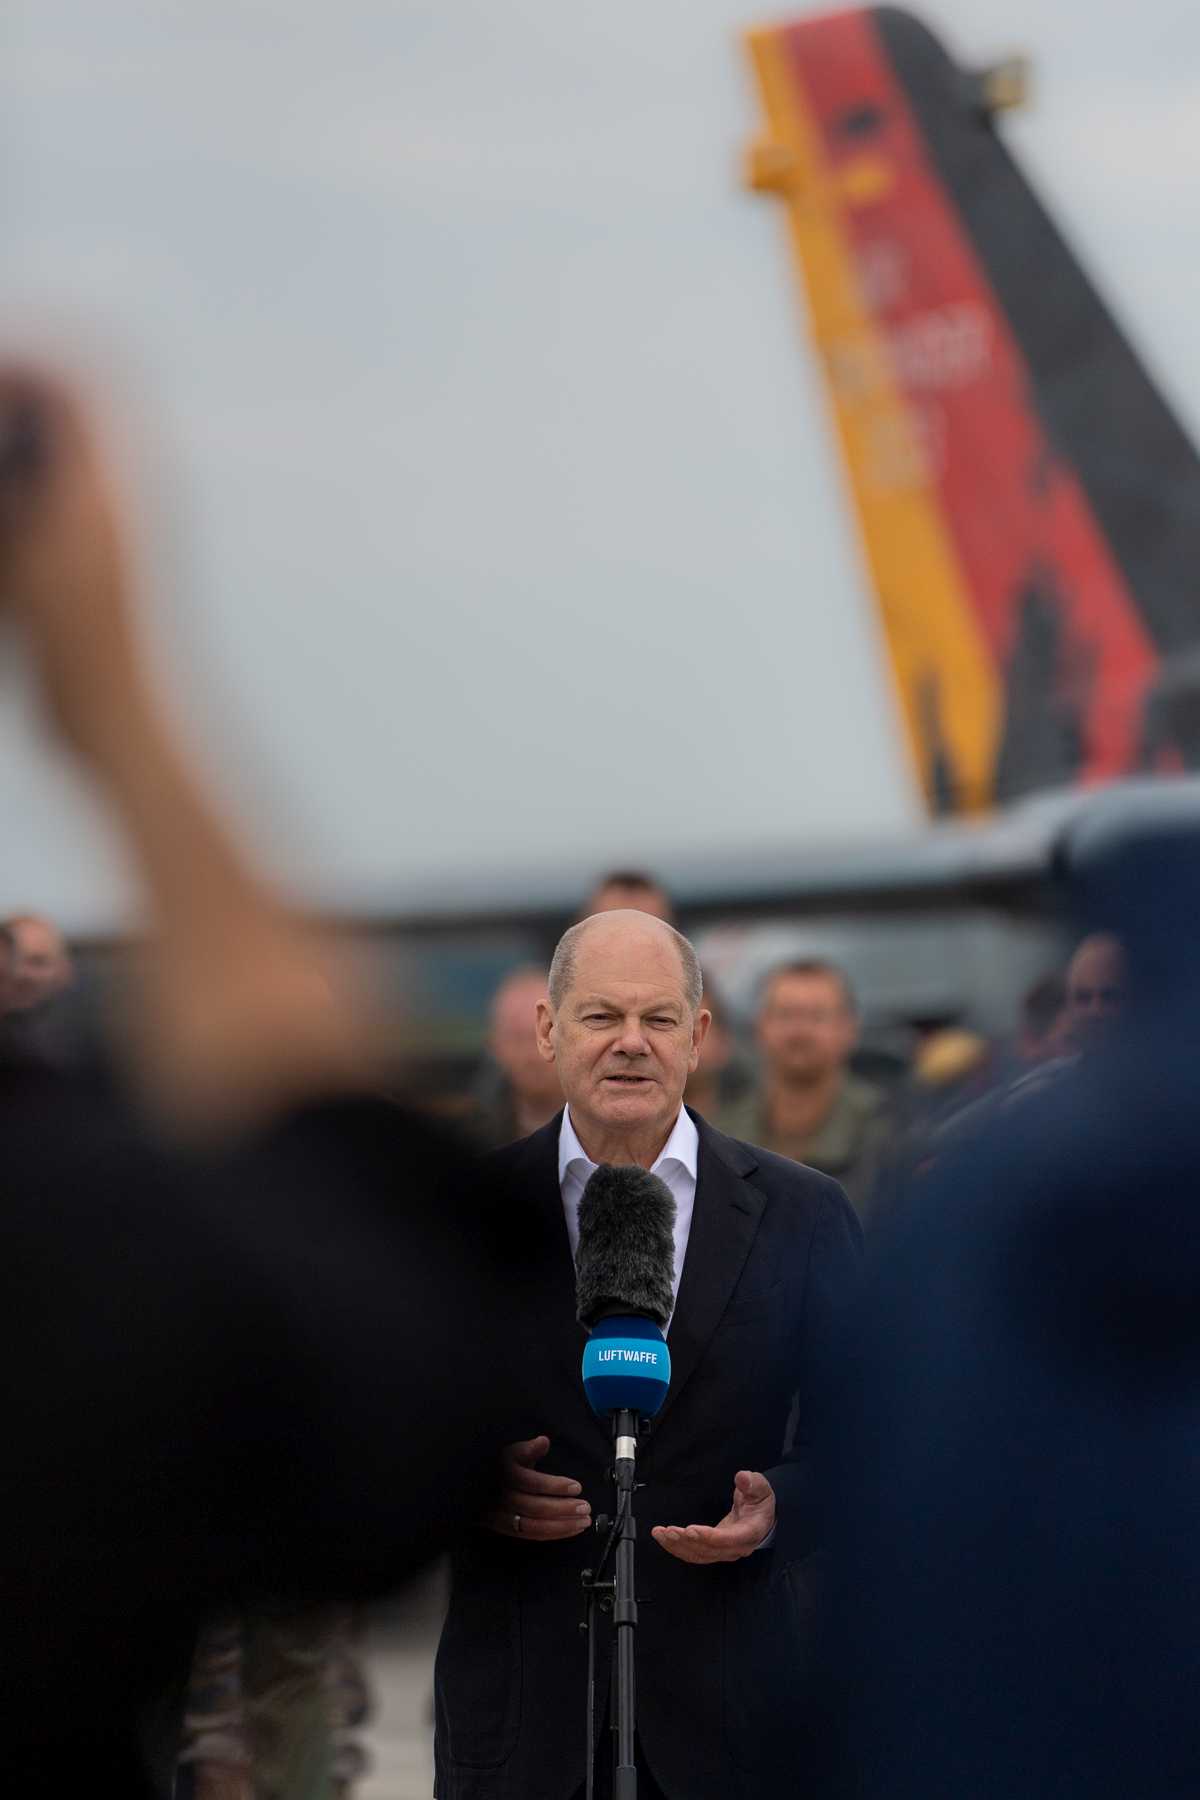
(274, 1708)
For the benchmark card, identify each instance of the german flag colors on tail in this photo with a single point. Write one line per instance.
(1029, 505)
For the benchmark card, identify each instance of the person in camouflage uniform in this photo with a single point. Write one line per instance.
(273, 1711)
(810, 1107)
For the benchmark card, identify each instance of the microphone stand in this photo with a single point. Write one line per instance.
(617, 1595)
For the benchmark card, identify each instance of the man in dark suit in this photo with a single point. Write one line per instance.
(764, 1252)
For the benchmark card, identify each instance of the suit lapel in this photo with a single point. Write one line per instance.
(556, 1336)
(725, 1220)
(535, 1189)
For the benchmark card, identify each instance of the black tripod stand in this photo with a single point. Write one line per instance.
(617, 1595)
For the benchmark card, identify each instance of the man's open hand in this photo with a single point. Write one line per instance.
(749, 1520)
(533, 1505)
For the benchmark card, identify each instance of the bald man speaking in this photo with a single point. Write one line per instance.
(765, 1250)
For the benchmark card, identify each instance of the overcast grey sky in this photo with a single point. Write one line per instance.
(505, 519)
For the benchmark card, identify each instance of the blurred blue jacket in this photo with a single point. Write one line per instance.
(1017, 1427)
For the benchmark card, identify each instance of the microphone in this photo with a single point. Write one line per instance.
(623, 1271)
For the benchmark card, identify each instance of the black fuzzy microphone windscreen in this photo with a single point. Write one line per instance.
(626, 1256)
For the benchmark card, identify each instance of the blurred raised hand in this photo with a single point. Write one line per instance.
(244, 1008)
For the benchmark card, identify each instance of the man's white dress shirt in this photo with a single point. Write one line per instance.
(676, 1166)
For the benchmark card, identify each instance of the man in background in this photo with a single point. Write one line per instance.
(1064, 1020)
(810, 1107)
(1091, 998)
(705, 1090)
(1095, 992)
(38, 1016)
(529, 1092)
(44, 967)
(629, 890)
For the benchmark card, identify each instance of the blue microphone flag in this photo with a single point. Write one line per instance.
(626, 1366)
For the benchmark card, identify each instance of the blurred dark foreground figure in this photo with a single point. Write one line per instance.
(248, 1339)
(1019, 1609)
(234, 1378)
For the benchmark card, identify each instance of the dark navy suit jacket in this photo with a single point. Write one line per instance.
(772, 1252)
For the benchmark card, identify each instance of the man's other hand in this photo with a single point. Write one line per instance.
(749, 1520)
(534, 1505)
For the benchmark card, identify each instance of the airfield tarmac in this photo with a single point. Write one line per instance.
(399, 1649)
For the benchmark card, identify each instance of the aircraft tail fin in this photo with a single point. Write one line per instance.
(1029, 504)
